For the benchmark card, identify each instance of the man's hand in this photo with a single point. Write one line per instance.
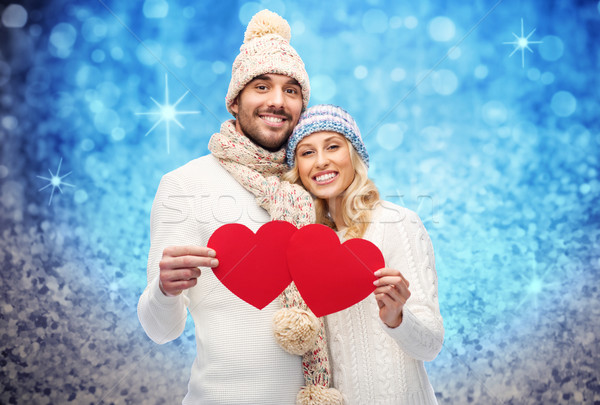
(391, 294)
(179, 267)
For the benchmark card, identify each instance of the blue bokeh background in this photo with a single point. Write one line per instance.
(498, 153)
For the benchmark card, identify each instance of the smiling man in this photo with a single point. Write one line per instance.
(267, 110)
(238, 360)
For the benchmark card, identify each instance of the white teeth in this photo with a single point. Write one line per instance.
(272, 119)
(325, 177)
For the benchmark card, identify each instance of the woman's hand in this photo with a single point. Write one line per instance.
(391, 294)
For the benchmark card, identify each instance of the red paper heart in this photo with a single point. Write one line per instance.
(332, 276)
(253, 267)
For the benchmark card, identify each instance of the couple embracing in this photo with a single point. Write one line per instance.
(280, 160)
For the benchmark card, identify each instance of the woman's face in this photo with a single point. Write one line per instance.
(324, 164)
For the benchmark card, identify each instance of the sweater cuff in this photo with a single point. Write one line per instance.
(160, 300)
(404, 331)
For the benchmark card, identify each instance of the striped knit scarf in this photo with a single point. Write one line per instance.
(296, 329)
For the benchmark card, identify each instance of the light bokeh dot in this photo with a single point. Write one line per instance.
(444, 82)
(116, 53)
(360, 72)
(96, 106)
(149, 52)
(390, 136)
(106, 120)
(189, 12)
(322, 87)
(411, 22)
(277, 6)
(5, 72)
(547, 78)
(87, 145)
(398, 74)
(298, 28)
(481, 71)
(14, 16)
(584, 188)
(395, 22)
(93, 29)
(117, 134)
(533, 74)
(247, 11)
(156, 8)
(9, 122)
(441, 29)
(98, 55)
(551, 48)
(3, 171)
(563, 103)
(375, 21)
(454, 53)
(80, 196)
(35, 30)
(180, 61)
(219, 67)
(494, 113)
(63, 36)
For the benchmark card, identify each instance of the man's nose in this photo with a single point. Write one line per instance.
(276, 98)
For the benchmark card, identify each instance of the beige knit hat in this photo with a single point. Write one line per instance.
(266, 49)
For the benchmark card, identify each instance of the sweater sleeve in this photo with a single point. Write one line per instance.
(408, 248)
(171, 224)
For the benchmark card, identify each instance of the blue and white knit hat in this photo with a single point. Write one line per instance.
(326, 117)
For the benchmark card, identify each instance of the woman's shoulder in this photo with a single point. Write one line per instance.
(388, 212)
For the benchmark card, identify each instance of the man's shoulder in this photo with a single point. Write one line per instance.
(203, 166)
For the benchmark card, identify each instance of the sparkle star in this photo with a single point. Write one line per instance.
(167, 113)
(521, 43)
(55, 181)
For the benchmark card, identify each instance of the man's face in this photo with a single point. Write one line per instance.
(268, 109)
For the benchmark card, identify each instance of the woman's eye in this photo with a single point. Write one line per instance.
(306, 153)
(333, 146)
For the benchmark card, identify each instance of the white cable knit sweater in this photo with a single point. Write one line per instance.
(238, 360)
(372, 363)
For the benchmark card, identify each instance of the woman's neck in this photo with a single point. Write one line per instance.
(334, 206)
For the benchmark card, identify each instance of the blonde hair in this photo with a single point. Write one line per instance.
(358, 202)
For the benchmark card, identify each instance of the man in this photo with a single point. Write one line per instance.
(238, 360)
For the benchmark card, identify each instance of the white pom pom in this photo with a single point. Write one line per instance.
(319, 395)
(295, 330)
(267, 22)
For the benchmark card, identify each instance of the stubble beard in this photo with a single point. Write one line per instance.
(248, 125)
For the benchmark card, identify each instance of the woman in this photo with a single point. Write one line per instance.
(378, 346)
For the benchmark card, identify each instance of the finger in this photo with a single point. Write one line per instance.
(180, 274)
(396, 280)
(384, 300)
(175, 287)
(175, 251)
(390, 291)
(184, 262)
(387, 271)
(399, 295)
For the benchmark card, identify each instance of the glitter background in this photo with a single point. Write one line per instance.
(498, 153)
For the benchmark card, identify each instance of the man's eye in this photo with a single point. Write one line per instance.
(292, 91)
(261, 87)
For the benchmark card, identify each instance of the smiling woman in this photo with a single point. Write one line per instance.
(387, 336)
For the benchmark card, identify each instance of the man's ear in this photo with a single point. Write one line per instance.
(235, 106)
